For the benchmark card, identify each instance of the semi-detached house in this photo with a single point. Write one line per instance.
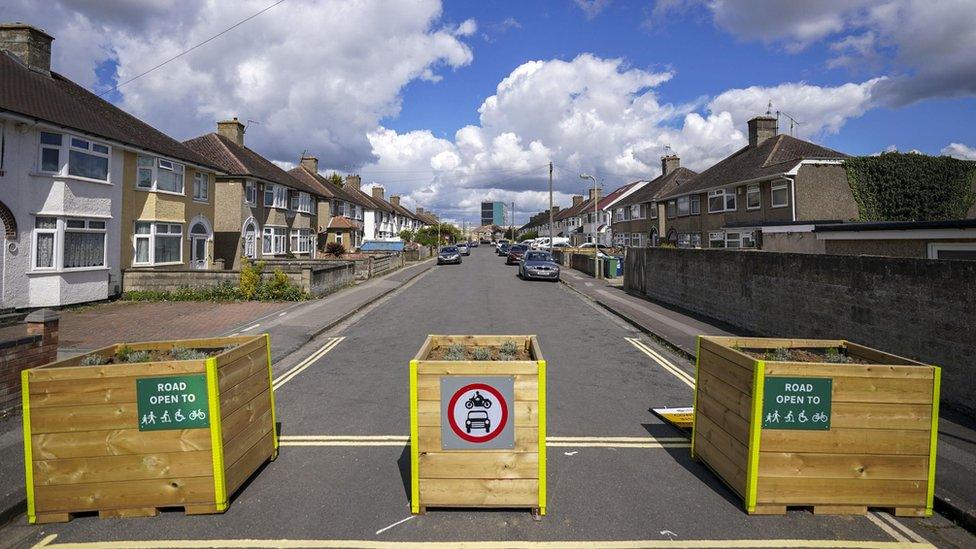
(86, 189)
(340, 216)
(637, 219)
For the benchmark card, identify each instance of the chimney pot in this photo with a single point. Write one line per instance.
(378, 192)
(395, 200)
(669, 163)
(762, 128)
(353, 181)
(232, 129)
(310, 163)
(29, 44)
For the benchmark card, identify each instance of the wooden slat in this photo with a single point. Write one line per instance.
(243, 392)
(773, 343)
(118, 442)
(125, 494)
(481, 465)
(92, 417)
(534, 348)
(234, 373)
(474, 368)
(818, 491)
(523, 413)
(526, 387)
(526, 440)
(239, 419)
(880, 357)
(738, 377)
(248, 346)
(847, 441)
(243, 468)
(732, 473)
(116, 390)
(142, 369)
(729, 396)
(804, 465)
(730, 422)
(126, 467)
(236, 447)
(425, 348)
(479, 492)
(736, 451)
(848, 370)
(901, 391)
(871, 415)
(728, 353)
(200, 343)
(480, 340)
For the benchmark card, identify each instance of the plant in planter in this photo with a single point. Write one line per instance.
(827, 424)
(127, 429)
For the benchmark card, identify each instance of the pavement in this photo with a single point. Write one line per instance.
(342, 477)
(955, 490)
(291, 325)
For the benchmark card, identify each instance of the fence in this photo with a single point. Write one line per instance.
(918, 308)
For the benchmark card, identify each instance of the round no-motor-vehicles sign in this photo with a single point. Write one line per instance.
(476, 413)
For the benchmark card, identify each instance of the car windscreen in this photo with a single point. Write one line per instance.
(518, 248)
(449, 250)
(537, 256)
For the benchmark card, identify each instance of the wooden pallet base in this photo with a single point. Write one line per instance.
(47, 518)
(840, 510)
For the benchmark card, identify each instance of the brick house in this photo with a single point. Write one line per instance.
(774, 179)
(337, 210)
(261, 211)
(638, 220)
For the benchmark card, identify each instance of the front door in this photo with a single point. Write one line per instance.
(198, 259)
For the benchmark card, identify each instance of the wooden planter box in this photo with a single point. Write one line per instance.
(87, 448)
(875, 447)
(443, 475)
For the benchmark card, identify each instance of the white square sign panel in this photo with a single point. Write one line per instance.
(477, 413)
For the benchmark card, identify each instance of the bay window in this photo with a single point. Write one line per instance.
(275, 240)
(83, 157)
(158, 243)
(301, 202)
(301, 241)
(684, 240)
(716, 240)
(780, 195)
(66, 244)
(275, 196)
(158, 174)
(201, 187)
(721, 200)
(753, 197)
(45, 240)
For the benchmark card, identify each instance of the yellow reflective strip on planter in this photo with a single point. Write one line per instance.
(274, 418)
(414, 443)
(28, 450)
(933, 439)
(694, 402)
(542, 437)
(755, 434)
(216, 437)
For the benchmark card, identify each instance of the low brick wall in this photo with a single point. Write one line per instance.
(419, 254)
(33, 343)
(918, 308)
(317, 277)
(382, 264)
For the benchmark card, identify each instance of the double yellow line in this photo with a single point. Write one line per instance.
(303, 365)
(685, 377)
(555, 442)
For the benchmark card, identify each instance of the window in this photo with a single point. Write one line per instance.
(157, 174)
(201, 187)
(636, 240)
(684, 240)
(275, 239)
(338, 238)
(684, 206)
(251, 193)
(301, 241)
(275, 196)
(672, 209)
(780, 195)
(753, 197)
(626, 239)
(304, 202)
(721, 200)
(696, 240)
(733, 240)
(695, 204)
(637, 211)
(952, 250)
(158, 243)
(653, 210)
(68, 243)
(45, 240)
(748, 240)
(85, 158)
(716, 240)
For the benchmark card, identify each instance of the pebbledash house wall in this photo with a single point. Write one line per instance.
(28, 193)
(918, 308)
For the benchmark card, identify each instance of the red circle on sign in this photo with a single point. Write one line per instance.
(459, 431)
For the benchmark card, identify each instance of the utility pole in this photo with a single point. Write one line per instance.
(513, 221)
(550, 209)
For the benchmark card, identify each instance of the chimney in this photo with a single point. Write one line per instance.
(310, 163)
(378, 192)
(353, 181)
(232, 129)
(762, 128)
(577, 200)
(592, 193)
(420, 210)
(395, 200)
(669, 163)
(29, 44)
(555, 210)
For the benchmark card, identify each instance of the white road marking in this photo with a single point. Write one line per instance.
(897, 524)
(397, 523)
(251, 327)
(685, 378)
(282, 314)
(588, 284)
(373, 544)
(887, 529)
(570, 453)
(301, 366)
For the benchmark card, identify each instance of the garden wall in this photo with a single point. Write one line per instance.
(22, 346)
(917, 308)
(315, 277)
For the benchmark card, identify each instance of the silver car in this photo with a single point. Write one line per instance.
(538, 265)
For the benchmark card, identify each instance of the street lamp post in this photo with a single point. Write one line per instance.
(596, 248)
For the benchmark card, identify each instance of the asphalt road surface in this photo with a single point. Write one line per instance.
(348, 485)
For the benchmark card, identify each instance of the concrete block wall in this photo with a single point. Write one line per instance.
(918, 308)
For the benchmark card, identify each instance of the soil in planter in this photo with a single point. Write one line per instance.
(831, 355)
(127, 356)
(479, 352)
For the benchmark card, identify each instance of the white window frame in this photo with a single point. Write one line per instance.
(277, 236)
(637, 240)
(727, 196)
(301, 202)
(301, 241)
(279, 196)
(935, 247)
(157, 165)
(733, 240)
(150, 237)
(683, 240)
(64, 154)
(55, 248)
(201, 187)
(750, 191)
(716, 236)
(785, 186)
(250, 193)
(57, 253)
(684, 206)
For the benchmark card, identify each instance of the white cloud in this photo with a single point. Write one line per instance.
(314, 75)
(592, 8)
(958, 150)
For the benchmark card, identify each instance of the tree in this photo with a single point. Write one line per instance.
(335, 179)
(406, 235)
(427, 236)
(530, 235)
(510, 233)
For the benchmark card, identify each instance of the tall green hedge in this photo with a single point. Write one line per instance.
(911, 187)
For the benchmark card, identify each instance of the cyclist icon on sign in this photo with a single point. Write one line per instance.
(477, 400)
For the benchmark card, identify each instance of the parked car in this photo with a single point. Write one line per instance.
(473, 244)
(499, 242)
(463, 249)
(538, 265)
(528, 242)
(515, 254)
(590, 245)
(449, 254)
(503, 248)
(543, 242)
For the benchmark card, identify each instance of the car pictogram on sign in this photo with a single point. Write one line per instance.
(477, 419)
(477, 413)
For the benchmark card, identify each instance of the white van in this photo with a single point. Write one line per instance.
(543, 243)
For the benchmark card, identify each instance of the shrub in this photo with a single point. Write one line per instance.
(280, 288)
(510, 348)
(335, 249)
(181, 353)
(781, 354)
(505, 356)
(138, 356)
(250, 279)
(482, 353)
(93, 360)
(145, 295)
(455, 352)
(123, 352)
(835, 356)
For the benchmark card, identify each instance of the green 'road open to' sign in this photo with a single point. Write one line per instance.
(797, 403)
(172, 402)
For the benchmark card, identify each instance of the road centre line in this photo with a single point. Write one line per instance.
(685, 377)
(251, 327)
(301, 366)
(373, 544)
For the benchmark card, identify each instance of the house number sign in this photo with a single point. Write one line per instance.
(797, 403)
(172, 402)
